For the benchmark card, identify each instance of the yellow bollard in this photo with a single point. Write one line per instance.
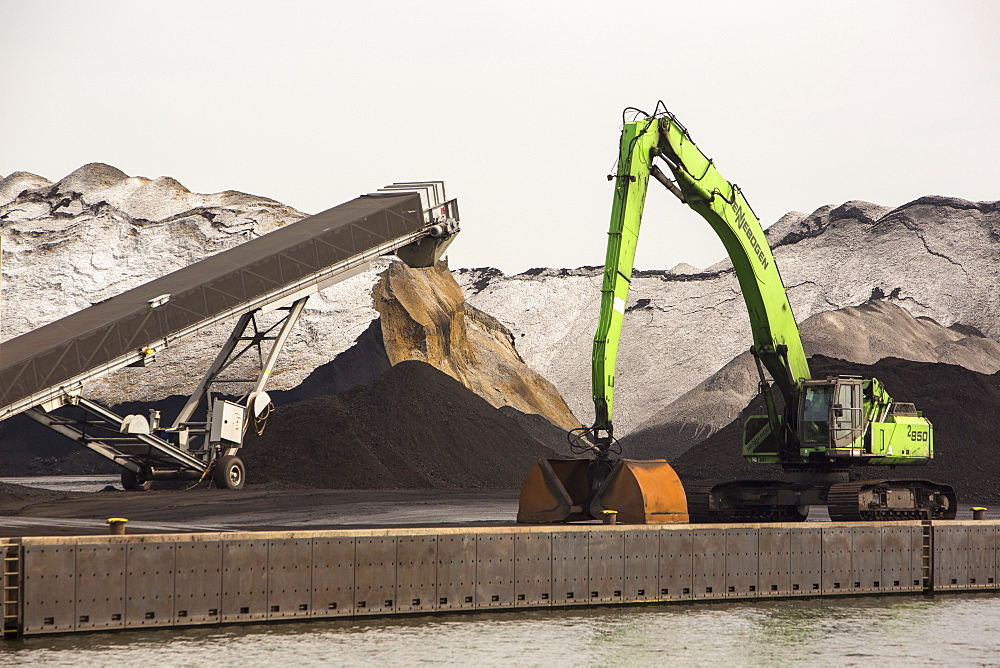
(978, 513)
(610, 516)
(117, 525)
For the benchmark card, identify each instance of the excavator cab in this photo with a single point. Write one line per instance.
(831, 422)
(831, 417)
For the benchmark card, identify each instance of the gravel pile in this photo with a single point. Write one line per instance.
(413, 427)
(963, 406)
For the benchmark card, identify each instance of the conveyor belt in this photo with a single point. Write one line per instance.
(298, 258)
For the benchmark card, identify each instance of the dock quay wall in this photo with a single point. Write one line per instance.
(88, 583)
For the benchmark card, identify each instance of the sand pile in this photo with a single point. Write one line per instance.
(360, 364)
(98, 232)
(962, 405)
(413, 427)
(424, 316)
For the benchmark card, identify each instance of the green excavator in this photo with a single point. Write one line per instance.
(817, 430)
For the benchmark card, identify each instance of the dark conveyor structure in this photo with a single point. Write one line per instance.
(273, 275)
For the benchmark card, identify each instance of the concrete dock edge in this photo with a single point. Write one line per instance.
(88, 583)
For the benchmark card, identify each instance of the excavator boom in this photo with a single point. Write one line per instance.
(700, 185)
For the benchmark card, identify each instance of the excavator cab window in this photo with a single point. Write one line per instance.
(815, 419)
(848, 412)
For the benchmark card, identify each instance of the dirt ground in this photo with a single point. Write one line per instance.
(35, 512)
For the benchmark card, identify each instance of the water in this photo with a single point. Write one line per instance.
(956, 630)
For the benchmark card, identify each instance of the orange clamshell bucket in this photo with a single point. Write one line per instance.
(640, 491)
(554, 491)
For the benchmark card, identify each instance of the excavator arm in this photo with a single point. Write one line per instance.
(661, 138)
(638, 143)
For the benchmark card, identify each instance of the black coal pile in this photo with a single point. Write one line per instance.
(963, 406)
(413, 427)
(13, 493)
(362, 363)
(30, 449)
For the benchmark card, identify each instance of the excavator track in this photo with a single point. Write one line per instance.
(713, 501)
(697, 499)
(886, 500)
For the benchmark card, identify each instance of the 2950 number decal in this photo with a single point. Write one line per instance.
(917, 435)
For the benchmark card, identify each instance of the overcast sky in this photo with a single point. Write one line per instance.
(517, 105)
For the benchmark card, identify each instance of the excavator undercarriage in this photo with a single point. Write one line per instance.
(881, 500)
(784, 501)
